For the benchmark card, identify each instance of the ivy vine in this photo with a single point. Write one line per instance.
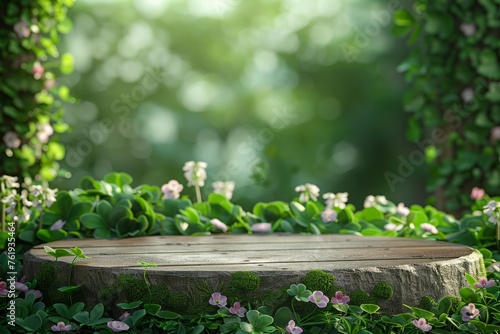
(31, 116)
(454, 73)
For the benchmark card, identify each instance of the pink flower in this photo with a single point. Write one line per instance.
(393, 227)
(292, 329)
(319, 299)
(402, 210)
(44, 132)
(329, 215)
(422, 324)
(261, 227)
(21, 287)
(117, 326)
(484, 283)
(123, 316)
(469, 312)
(61, 327)
(339, 298)
(11, 139)
(495, 133)
(58, 225)
(429, 228)
(37, 293)
(218, 224)
(172, 189)
(3, 288)
(37, 70)
(22, 29)
(477, 194)
(218, 299)
(48, 84)
(238, 310)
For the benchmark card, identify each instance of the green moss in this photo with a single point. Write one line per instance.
(318, 280)
(131, 287)
(107, 294)
(426, 303)
(359, 297)
(272, 298)
(178, 302)
(244, 281)
(45, 276)
(382, 291)
(159, 295)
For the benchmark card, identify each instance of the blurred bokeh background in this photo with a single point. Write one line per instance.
(270, 93)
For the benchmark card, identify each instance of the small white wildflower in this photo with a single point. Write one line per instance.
(172, 189)
(10, 181)
(429, 228)
(338, 200)
(369, 201)
(195, 173)
(381, 200)
(224, 188)
(489, 208)
(50, 197)
(402, 210)
(307, 191)
(393, 227)
(219, 225)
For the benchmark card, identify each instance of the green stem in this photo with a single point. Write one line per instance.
(69, 279)
(198, 193)
(146, 281)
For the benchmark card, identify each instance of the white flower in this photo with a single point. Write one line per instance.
(307, 191)
(493, 219)
(381, 200)
(10, 181)
(467, 95)
(402, 210)
(22, 29)
(10, 201)
(219, 225)
(489, 208)
(172, 189)
(11, 139)
(393, 227)
(495, 133)
(468, 29)
(195, 173)
(369, 201)
(224, 188)
(44, 132)
(429, 228)
(50, 197)
(374, 200)
(24, 198)
(336, 200)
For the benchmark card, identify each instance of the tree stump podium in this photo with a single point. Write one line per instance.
(415, 268)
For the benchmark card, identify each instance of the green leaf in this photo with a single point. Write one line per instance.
(92, 221)
(403, 18)
(129, 306)
(120, 179)
(57, 253)
(96, 313)
(468, 295)
(370, 308)
(49, 236)
(152, 309)
(168, 315)
(69, 289)
(420, 313)
(67, 63)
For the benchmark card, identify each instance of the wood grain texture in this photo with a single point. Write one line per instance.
(414, 267)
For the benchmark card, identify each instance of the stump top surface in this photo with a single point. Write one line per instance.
(274, 252)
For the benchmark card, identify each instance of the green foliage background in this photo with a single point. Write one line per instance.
(271, 94)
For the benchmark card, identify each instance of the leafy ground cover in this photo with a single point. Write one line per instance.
(113, 208)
